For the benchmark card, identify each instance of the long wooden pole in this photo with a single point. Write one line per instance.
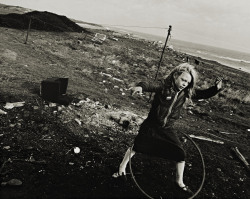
(28, 32)
(159, 64)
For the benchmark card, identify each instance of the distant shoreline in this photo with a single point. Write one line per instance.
(173, 42)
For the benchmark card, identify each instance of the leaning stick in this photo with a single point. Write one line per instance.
(159, 64)
(241, 157)
(28, 32)
(1, 169)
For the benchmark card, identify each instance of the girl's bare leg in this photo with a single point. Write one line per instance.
(123, 165)
(179, 173)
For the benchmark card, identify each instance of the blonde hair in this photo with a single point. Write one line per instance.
(186, 67)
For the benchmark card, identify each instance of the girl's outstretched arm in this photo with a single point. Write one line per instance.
(210, 92)
(151, 86)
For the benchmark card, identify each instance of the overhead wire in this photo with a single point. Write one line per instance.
(133, 26)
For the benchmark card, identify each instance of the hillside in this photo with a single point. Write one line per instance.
(7, 9)
(45, 21)
(38, 137)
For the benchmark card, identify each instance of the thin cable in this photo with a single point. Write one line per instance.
(133, 26)
(203, 169)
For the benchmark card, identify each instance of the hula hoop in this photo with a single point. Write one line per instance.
(203, 169)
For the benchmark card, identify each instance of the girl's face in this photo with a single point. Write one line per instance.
(183, 80)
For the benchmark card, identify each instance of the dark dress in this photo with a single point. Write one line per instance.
(157, 136)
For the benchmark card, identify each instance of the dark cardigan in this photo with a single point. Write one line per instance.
(156, 135)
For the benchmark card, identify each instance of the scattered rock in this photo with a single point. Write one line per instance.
(2, 112)
(12, 182)
(12, 105)
(6, 147)
(9, 54)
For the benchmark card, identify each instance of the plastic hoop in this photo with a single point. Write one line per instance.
(203, 168)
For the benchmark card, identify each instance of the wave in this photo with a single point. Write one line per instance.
(223, 57)
(201, 52)
(233, 59)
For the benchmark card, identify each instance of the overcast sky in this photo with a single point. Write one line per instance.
(221, 23)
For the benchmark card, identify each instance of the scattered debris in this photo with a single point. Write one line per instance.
(12, 182)
(46, 137)
(183, 139)
(6, 161)
(77, 150)
(241, 157)
(2, 112)
(9, 54)
(6, 147)
(78, 121)
(105, 74)
(224, 139)
(125, 118)
(114, 38)
(79, 42)
(219, 169)
(116, 79)
(12, 125)
(170, 47)
(227, 133)
(52, 104)
(206, 138)
(12, 105)
(35, 107)
(31, 159)
(114, 61)
(99, 38)
(222, 132)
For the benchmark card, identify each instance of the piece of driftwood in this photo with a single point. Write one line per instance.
(241, 157)
(222, 132)
(225, 139)
(12, 182)
(31, 161)
(1, 169)
(206, 139)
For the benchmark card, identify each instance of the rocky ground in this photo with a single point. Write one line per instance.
(38, 137)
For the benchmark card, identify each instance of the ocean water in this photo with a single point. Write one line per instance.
(231, 58)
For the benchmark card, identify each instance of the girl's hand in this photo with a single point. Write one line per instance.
(136, 90)
(218, 83)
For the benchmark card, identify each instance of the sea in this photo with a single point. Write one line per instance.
(231, 58)
(228, 57)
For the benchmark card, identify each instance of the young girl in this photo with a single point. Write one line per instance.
(156, 135)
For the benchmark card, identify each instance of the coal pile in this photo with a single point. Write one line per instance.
(40, 21)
